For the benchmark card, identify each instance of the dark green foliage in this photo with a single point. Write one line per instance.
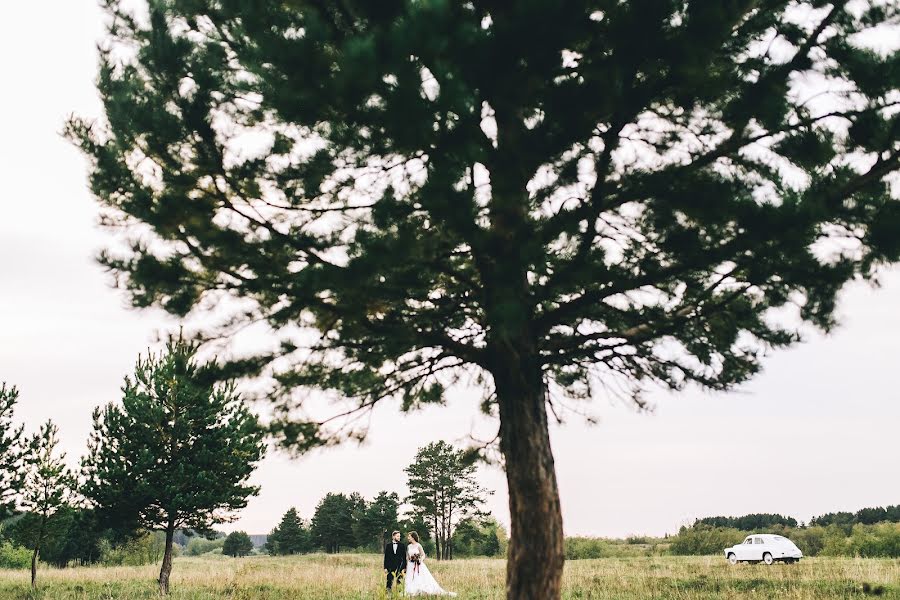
(478, 537)
(865, 516)
(72, 537)
(562, 198)
(237, 543)
(176, 453)
(47, 489)
(333, 522)
(443, 491)
(291, 536)
(390, 102)
(416, 523)
(377, 520)
(754, 522)
(11, 468)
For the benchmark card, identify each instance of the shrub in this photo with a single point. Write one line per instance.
(875, 541)
(703, 539)
(201, 545)
(14, 557)
(144, 550)
(577, 548)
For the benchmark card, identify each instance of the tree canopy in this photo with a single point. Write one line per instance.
(332, 526)
(562, 199)
(237, 544)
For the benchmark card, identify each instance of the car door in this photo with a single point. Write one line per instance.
(744, 551)
(759, 548)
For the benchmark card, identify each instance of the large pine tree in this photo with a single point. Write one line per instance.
(566, 198)
(443, 491)
(11, 468)
(176, 453)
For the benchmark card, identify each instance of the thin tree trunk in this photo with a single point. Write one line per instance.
(34, 557)
(37, 551)
(166, 571)
(536, 557)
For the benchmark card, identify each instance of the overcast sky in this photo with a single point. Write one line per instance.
(816, 432)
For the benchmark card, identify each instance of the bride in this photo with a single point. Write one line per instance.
(419, 581)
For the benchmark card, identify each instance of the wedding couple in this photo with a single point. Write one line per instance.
(407, 562)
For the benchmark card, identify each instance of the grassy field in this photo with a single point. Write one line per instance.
(346, 577)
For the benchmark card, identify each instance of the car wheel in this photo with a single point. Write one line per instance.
(732, 558)
(767, 558)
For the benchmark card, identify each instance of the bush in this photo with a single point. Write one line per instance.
(14, 557)
(479, 538)
(144, 550)
(874, 541)
(578, 548)
(704, 540)
(200, 545)
(238, 543)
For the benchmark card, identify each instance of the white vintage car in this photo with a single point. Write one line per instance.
(764, 547)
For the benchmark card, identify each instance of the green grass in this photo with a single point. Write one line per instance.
(348, 576)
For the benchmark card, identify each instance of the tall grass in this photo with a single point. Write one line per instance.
(353, 577)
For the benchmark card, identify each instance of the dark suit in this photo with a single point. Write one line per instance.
(394, 562)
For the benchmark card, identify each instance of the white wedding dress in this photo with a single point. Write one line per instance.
(419, 580)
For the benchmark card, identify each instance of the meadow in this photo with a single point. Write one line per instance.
(353, 576)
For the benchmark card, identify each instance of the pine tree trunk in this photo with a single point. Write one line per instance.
(34, 557)
(166, 571)
(536, 556)
(37, 550)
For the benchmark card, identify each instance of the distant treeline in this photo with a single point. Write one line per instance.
(865, 516)
(748, 522)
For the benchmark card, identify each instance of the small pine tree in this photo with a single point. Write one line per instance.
(238, 543)
(176, 454)
(10, 452)
(47, 489)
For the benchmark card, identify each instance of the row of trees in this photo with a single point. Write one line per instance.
(864, 516)
(344, 522)
(174, 454)
(749, 522)
(443, 496)
(33, 476)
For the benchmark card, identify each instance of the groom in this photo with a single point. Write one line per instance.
(394, 560)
